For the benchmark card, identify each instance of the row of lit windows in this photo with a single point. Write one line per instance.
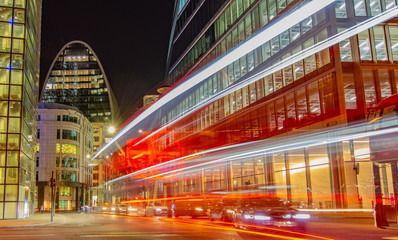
(379, 44)
(12, 109)
(242, 66)
(65, 191)
(9, 158)
(377, 86)
(13, 92)
(16, 76)
(75, 72)
(100, 114)
(255, 20)
(295, 109)
(12, 15)
(17, 45)
(11, 61)
(288, 167)
(364, 7)
(96, 87)
(13, 3)
(10, 125)
(66, 148)
(12, 29)
(77, 79)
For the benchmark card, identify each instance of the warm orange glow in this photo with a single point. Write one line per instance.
(137, 156)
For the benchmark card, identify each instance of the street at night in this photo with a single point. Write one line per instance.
(199, 119)
(108, 226)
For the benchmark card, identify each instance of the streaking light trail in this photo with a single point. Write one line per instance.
(360, 27)
(290, 19)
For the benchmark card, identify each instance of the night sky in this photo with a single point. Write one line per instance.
(130, 39)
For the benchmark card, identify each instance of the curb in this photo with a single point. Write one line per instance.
(28, 225)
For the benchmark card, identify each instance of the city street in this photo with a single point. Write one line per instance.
(99, 226)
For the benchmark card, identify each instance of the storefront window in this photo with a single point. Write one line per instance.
(298, 179)
(280, 175)
(320, 177)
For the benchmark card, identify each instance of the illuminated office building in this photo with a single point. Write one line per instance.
(77, 78)
(261, 89)
(20, 29)
(64, 149)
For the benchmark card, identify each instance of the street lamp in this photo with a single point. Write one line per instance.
(111, 129)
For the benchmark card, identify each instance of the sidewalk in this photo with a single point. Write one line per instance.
(38, 219)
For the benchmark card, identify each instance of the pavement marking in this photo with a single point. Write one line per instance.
(390, 238)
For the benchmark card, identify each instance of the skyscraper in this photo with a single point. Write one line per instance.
(20, 26)
(77, 78)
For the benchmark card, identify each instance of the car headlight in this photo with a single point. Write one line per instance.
(230, 211)
(302, 216)
(287, 216)
(248, 216)
(199, 209)
(132, 209)
(261, 218)
(104, 208)
(158, 209)
(113, 209)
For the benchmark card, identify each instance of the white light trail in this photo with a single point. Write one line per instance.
(284, 23)
(360, 27)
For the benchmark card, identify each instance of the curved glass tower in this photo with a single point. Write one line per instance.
(77, 78)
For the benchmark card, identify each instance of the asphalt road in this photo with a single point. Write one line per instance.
(101, 226)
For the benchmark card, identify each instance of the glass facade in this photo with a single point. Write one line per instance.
(238, 130)
(19, 60)
(77, 78)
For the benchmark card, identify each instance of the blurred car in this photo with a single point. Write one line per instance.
(156, 209)
(223, 210)
(105, 208)
(121, 209)
(268, 212)
(112, 209)
(195, 209)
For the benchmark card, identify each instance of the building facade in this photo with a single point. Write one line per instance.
(263, 94)
(77, 78)
(20, 26)
(64, 149)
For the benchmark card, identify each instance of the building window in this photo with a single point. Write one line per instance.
(68, 148)
(58, 134)
(69, 134)
(63, 204)
(37, 147)
(58, 117)
(38, 133)
(37, 161)
(65, 191)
